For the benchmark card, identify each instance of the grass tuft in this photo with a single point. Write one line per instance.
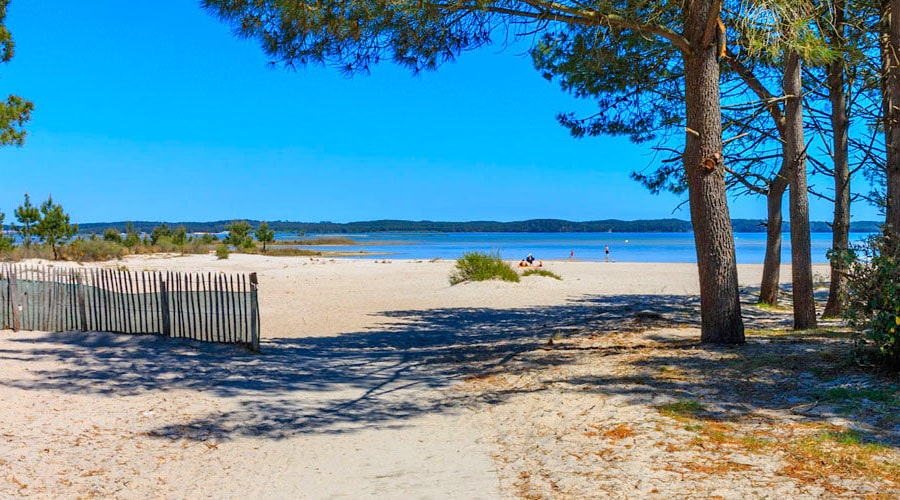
(682, 409)
(481, 266)
(541, 272)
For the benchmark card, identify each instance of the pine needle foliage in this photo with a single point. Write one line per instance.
(16, 111)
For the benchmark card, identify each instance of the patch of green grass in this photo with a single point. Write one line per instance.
(541, 272)
(481, 266)
(683, 409)
(848, 437)
(755, 444)
(887, 395)
(772, 307)
(747, 364)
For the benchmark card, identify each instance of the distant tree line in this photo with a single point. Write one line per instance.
(527, 226)
(45, 231)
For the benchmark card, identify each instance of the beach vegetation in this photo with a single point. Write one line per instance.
(873, 300)
(541, 272)
(159, 232)
(265, 235)
(113, 235)
(93, 250)
(27, 215)
(222, 251)
(682, 409)
(481, 266)
(6, 242)
(180, 237)
(239, 235)
(132, 238)
(208, 238)
(54, 228)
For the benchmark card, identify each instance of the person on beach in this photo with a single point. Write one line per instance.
(529, 259)
(523, 263)
(607, 253)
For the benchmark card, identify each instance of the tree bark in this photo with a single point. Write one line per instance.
(795, 155)
(720, 307)
(840, 227)
(891, 91)
(769, 288)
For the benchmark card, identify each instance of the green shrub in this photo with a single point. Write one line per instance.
(480, 266)
(873, 299)
(208, 238)
(92, 250)
(541, 272)
(196, 246)
(222, 252)
(113, 235)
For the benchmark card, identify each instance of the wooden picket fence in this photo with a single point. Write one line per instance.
(212, 308)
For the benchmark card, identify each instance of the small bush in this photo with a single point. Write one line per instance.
(541, 272)
(113, 235)
(92, 250)
(873, 299)
(480, 266)
(222, 252)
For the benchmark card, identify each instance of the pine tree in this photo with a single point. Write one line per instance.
(28, 216)
(354, 34)
(54, 228)
(265, 235)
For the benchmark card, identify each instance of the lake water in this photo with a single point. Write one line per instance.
(623, 247)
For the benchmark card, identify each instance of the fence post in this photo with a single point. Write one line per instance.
(164, 305)
(14, 298)
(82, 302)
(254, 313)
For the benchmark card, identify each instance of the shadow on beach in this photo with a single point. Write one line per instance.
(369, 379)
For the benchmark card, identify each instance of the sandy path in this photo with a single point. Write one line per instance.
(349, 398)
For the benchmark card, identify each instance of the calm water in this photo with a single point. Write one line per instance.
(623, 247)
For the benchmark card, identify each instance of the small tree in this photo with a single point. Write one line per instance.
(132, 238)
(112, 235)
(179, 237)
(159, 232)
(265, 235)
(27, 215)
(6, 243)
(239, 234)
(54, 228)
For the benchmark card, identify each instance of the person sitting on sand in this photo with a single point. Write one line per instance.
(529, 259)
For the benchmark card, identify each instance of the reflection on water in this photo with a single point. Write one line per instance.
(623, 247)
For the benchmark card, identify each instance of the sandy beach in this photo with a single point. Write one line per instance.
(377, 379)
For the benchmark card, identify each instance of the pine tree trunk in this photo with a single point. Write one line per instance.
(891, 91)
(769, 288)
(840, 227)
(720, 307)
(795, 153)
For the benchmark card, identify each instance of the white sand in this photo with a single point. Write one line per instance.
(352, 396)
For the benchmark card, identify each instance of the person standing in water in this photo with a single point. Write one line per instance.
(607, 253)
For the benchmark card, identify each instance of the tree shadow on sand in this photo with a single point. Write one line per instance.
(371, 379)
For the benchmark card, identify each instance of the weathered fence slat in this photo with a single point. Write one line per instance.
(214, 307)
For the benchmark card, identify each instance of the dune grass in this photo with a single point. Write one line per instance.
(481, 266)
(541, 272)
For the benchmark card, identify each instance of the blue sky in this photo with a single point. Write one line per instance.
(155, 111)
